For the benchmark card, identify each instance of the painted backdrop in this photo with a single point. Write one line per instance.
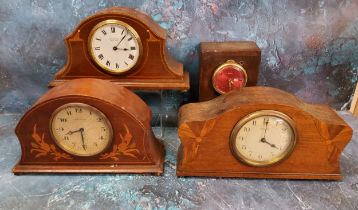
(309, 47)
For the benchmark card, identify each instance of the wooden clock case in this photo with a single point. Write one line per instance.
(204, 131)
(134, 148)
(213, 54)
(156, 68)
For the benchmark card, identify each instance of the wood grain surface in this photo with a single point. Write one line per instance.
(134, 148)
(156, 68)
(204, 130)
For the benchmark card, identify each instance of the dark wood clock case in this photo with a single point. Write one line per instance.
(134, 148)
(204, 130)
(156, 68)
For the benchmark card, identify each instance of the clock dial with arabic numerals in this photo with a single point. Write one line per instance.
(263, 138)
(81, 129)
(114, 46)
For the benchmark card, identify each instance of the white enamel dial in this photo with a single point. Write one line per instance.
(81, 129)
(115, 46)
(263, 138)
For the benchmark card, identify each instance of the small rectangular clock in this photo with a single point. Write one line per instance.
(225, 66)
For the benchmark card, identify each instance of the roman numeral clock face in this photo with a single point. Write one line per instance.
(114, 46)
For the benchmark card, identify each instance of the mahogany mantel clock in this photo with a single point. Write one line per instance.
(124, 46)
(88, 126)
(260, 132)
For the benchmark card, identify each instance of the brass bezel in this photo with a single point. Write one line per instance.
(130, 29)
(230, 63)
(57, 110)
(254, 115)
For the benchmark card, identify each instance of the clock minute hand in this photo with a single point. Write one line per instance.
(115, 47)
(82, 138)
(230, 84)
(266, 124)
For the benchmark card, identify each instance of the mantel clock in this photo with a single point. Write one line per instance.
(124, 46)
(88, 126)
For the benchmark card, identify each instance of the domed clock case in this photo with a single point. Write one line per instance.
(112, 122)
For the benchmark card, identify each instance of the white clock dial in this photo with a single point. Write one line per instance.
(263, 138)
(115, 46)
(80, 129)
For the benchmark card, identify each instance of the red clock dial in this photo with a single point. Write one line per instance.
(229, 76)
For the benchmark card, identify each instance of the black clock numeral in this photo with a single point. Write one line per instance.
(104, 32)
(126, 63)
(117, 66)
(113, 29)
(130, 38)
(99, 119)
(78, 110)
(95, 144)
(132, 48)
(101, 137)
(243, 147)
(98, 39)
(60, 129)
(260, 157)
(103, 128)
(63, 119)
(246, 129)
(100, 56)
(97, 48)
(266, 120)
(66, 138)
(254, 122)
(68, 112)
(108, 63)
(131, 56)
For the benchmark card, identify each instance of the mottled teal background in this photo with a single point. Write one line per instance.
(309, 47)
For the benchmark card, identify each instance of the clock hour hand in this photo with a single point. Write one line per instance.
(124, 49)
(72, 132)
(263, 140)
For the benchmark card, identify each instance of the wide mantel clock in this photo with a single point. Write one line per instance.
(88, 126)
(124, 46)
(260, 132)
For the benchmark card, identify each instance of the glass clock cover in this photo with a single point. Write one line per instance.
(229, 76)
(115, 46)
(81, 129)
(263, 138)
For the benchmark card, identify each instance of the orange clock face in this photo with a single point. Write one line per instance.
(229, 76)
